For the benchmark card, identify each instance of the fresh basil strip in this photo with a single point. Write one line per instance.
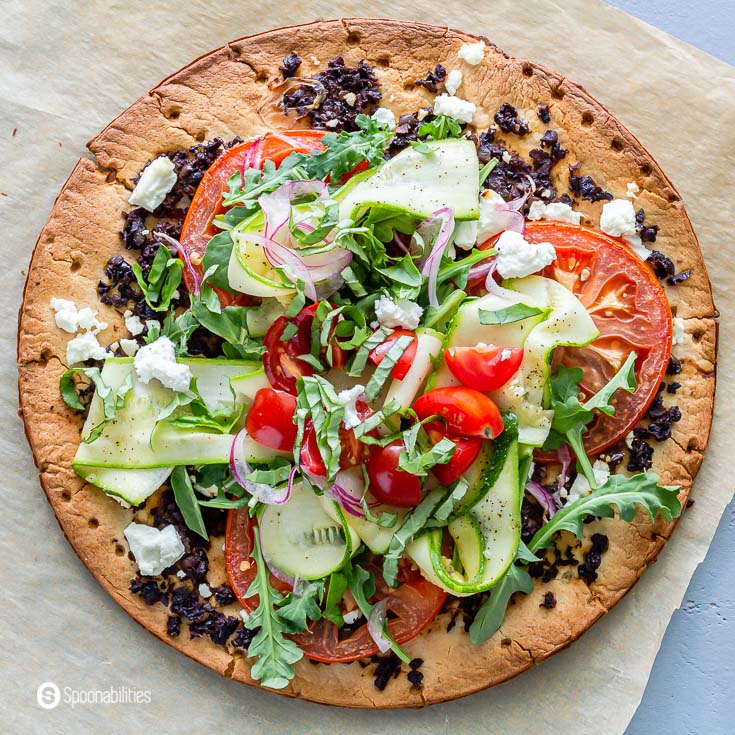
(382, 371)
(509, 314)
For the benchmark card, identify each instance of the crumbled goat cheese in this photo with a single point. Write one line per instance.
(129, 346)
(157, 180)
(632, 190)
(348, 398)
(421, 114)
(71, 319)
(629, 440)
(581, 487)
(517, 258)
(393, 314)
(385, 118)
(465, 234)
(506, 157)
(181, 574)
(558, 211)
(505, 354)
(244, 614)
(678, 335)
(154, 550)
(133, 323)
(454, 79)
(461, 110)
(158, 360)
(350, 98)
(472, 53)
(84, 347)
(618, 219)
(205, 591)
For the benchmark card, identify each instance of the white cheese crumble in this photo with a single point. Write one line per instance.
(244, 614)
(505, 354)
(158, 360)
(461, 110)
(157, 180)
(517, 258)
(629, 440)
(205, 591)
(71, 319)
(84, 347)
(465, 234)
(632, 190)
(557, 211)
(393, 314)
(472, 53)
(133, 323)
(129, 346)
(581, 487)
(454, 79)
(618, 219)
(348, 398)
(154, 549)
(385, 118)
(678, 334)
(350, 98)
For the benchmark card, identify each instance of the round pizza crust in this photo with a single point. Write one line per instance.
(220, 94)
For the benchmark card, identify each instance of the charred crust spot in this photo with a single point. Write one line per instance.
(558, 93)
(506, 642)
(617, 144)
(697, 335)
(262, 77)
(383, 62)
(527, 70)
(119, 550)
(66, 495)
(646, 169)
(93, 523)
(353, 38)
(45, 356)
(76, 264)
(587, 118)
(172, 113)
(201, 136)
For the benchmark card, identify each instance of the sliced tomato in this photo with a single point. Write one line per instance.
(270, 419)
(389, 484)
(465, 453)
(411, 606)
(465, 411)
(207, 201)
(311, 458)
(401, 368)
(485, 368)
(628, 306)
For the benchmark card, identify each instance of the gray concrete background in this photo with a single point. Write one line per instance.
(692, 686)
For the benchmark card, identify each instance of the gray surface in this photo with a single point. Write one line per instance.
(693, 679)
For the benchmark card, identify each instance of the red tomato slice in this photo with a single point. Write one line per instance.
(629, 307)
(412, 606)
(389, 484)
(484, 368)
(401, 368)
(466, 411)
(467, 449)
(311, 458)
(207, 202)
(270, 419)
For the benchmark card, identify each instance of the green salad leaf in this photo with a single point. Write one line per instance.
(302, 605)
(508, 315)
(162, 280)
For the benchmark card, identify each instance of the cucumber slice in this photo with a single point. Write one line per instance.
(246, 386)
(302, 539)
(419, 183)
(486, 539)
(260, 318)
(131, 487)
(129, 440)
(428, 348)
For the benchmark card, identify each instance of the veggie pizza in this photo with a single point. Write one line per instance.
(366, 363)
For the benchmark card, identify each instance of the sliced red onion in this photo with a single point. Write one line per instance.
(509, 219)
(196, 278)
(376, 626)
(480, 270)
(544, 497)
(347, 490)
(494, 288)
(251, 159)
(276, 205)
(260, 491)
(431, 265)
(564, 454)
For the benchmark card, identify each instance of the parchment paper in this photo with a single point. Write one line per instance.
(67, 69)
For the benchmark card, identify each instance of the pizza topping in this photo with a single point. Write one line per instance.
(543, 113)
(585, 186)
(508, 121)
(461, 110)
(454, 81)
(290, 65)
(432, 79)
(157, 180)
(385, 118)
(558, 211)
(472, 53)
(154, 549)
(618, 218)
(517, 258)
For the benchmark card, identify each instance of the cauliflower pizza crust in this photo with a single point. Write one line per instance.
(220, 95)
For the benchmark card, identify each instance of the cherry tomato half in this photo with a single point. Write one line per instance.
(270, 419)
(485, 367)
(411, 606)
(401, 368)
(466, 411)
(389, 484)
(465, 453)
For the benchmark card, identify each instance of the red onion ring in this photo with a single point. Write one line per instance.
(509, 219)
(544, 497)
(241, 469)
(347, 490)
(376, 625)
(196, 277)
(565, 457)
(251, 159)
(432, 263)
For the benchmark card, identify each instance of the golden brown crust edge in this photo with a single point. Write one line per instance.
(82, 233)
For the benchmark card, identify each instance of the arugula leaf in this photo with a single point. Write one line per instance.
(335, 591)
(299, 607)
(112, 400)
(509, 314)
(383, 370)
(490, 616)
(404, 278)
(186, 501)
(438, 317)
(412, 524)
(440, 127)
(571, 417)
(487, 169)
(163, 279)
(274, 653)
(177, 328)
(624, 493)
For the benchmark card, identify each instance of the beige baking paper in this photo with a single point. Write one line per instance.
(67, 69)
